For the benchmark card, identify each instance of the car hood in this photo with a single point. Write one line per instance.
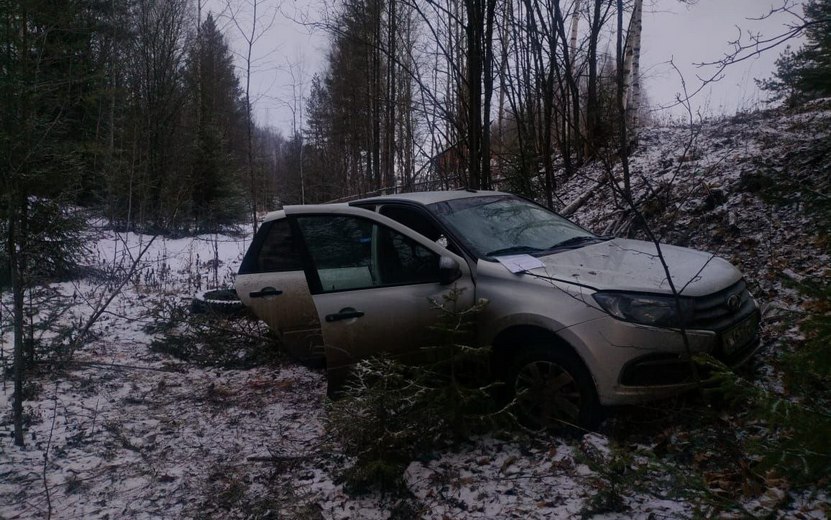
(634, 265)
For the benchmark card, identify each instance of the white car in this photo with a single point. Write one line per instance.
(576, 321)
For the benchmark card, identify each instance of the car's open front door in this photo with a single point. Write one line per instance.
(375, 284)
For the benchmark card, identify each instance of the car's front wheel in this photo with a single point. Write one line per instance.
(552, 389)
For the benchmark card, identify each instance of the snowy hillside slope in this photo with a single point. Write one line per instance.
(738, 187)
(130, 432)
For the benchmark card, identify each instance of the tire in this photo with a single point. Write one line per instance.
(552, 389)
(219, 302)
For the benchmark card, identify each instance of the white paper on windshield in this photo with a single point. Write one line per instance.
(519, 263)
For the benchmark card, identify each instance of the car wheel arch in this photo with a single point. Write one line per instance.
(508, 342)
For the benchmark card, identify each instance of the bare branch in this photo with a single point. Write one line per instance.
(102, 307)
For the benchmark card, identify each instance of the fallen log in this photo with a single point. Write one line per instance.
(582, 199)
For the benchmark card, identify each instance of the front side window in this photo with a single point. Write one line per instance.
(355, 253)
(412, 219)
(502, 225)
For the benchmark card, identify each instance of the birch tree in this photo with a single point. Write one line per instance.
(621, 104)
(631, 69)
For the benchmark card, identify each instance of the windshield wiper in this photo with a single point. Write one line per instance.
(579, 241)
(572, 242)
(515, 250)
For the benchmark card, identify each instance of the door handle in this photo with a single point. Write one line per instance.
(344, 314)
(265, 292)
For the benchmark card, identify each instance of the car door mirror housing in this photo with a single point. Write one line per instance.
(449, 270)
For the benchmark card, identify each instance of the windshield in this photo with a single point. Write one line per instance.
(500, 225)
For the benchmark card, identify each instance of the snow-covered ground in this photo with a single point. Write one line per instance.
(127, 432)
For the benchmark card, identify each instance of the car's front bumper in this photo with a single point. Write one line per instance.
(634, 363)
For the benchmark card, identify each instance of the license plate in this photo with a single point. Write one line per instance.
(740, 335)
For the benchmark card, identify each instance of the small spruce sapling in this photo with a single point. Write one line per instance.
(394, 412)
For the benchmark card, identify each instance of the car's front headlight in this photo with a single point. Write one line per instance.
(647, 309)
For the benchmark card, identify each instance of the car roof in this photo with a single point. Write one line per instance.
(274, 215)
(425, 197)
(418, 197)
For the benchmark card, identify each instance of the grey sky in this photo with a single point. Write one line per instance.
(284, 59)
(288, 55)
(701, 33)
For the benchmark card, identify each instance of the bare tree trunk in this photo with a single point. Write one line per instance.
(578, 124)
(110, 157)
(592, 97)
(376, 96)
(504, 38)
(406, 113)
(391, 97)
(17, 297)
(473, 40)
(250, 37)
(249, 118)
(199, 63)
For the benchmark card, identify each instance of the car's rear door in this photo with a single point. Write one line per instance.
(273, 284)
(375, 284)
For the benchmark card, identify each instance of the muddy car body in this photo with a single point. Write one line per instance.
(575, 320)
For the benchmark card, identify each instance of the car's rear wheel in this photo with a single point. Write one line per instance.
(552, 389)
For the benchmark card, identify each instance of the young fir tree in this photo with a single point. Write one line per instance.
(43, 81)
(393, 412)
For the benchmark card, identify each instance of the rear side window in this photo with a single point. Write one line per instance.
(341, 250)
(274, 249)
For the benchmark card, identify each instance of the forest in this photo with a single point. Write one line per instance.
(138, 110)
(134, 171)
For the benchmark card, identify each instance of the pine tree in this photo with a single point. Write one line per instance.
(805, 74)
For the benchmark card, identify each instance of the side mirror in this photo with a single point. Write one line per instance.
(449, 270)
